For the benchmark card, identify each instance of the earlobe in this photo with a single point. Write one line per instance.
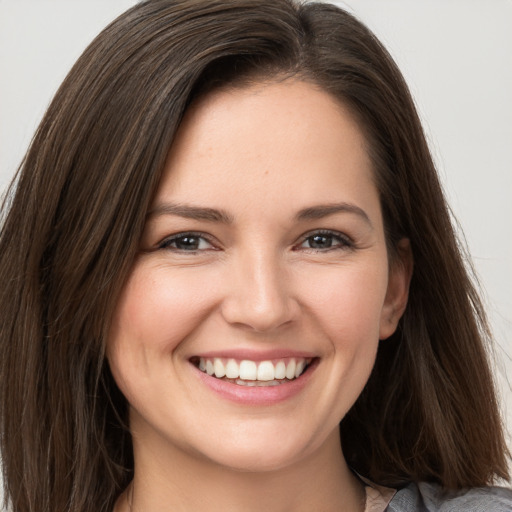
(400, 274)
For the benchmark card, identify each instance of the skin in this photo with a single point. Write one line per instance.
(261, 154)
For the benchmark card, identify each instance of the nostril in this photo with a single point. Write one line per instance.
(258, 297)
(258, 317)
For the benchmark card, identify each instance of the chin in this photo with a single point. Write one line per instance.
(264, 453)
(255, 461)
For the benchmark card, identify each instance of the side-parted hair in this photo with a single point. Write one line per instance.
(73, 219)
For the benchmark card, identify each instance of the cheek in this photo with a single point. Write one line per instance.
(347, 302)
(156, 311)
(345, 305)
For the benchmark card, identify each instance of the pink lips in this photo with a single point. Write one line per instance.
(257, 355)
(257, 395)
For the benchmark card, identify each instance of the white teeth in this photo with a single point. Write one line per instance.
(218, 365)
(280, 370)
(290, 369)
(300, 367)
(266, 370)
(232, 370)
(250, 371)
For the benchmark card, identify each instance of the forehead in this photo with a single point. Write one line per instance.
(289, 138)
(294, 107)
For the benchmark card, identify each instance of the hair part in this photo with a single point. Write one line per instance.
(75, 217)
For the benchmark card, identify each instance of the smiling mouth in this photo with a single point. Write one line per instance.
(254, 373)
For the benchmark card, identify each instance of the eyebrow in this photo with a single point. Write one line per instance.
(324, 210)
(191, 212)
(216, 215)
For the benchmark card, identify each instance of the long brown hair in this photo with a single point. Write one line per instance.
(73, 219)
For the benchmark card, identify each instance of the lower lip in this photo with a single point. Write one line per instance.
(257, 395)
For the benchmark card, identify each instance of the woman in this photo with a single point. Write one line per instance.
(229, 280)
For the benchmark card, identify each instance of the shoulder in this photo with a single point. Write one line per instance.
(425, 497)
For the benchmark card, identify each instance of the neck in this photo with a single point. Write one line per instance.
(180, 482)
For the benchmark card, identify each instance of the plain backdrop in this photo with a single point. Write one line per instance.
(455, 54)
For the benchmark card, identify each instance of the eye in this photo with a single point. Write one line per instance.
(326, 240)
(186, 242)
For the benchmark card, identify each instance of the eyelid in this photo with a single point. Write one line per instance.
(347, 241)
(164, 244)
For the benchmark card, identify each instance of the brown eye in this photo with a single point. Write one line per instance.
(320, 241)
(325, 241)
(186, 242)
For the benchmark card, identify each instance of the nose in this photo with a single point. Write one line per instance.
(259, 294)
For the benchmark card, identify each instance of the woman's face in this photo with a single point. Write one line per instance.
(263, 252)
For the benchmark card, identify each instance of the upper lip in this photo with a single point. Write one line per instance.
(256, 355)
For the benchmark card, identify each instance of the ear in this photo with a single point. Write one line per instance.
(400, 274)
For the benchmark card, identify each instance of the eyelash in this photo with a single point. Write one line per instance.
(341, 241)
(166, 244)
